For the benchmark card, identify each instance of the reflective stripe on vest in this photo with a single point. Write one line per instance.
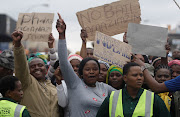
(144, 106)
(10, 109)
(18, 111)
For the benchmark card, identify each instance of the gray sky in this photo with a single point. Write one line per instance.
(153, 12)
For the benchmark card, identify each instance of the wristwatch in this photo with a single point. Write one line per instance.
(143, 68)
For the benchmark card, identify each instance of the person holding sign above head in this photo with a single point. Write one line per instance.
(84, 95)
(40, 95)
(170, 85)
(11, 89)
(133, 101)
(85, 52)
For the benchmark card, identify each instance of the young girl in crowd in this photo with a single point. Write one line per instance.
(163, 73)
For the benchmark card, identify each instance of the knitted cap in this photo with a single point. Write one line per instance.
(106, 64)
(7, 59)
(155, 60)
(74, 56)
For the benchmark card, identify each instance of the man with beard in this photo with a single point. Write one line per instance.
(40, 96)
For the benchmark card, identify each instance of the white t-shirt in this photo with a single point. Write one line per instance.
(1, 95)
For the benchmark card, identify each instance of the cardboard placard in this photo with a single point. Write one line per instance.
(147, 40)
(110, 19)
(35, 26)
(111, 50)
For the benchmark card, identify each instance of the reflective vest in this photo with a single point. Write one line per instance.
(143, 108)
(10, 109)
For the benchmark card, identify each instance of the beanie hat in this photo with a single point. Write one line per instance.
(106, 64)
(7, 59)
(74, 56)
(155, 60)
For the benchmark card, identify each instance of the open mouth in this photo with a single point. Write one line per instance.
(91, 76)
(92, 79)
(38, 72)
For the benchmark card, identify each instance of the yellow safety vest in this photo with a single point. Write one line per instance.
(143, 108)
(10, 109)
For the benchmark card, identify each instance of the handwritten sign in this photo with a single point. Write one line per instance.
(147, 40)
(111, 50)
(35, 26)
(110, 19)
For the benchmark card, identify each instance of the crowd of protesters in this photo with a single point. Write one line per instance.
(80, 85)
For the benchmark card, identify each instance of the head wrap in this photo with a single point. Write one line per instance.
(74, 56)
(174, 62)
(7, 59)
(38, 55)
(111, 69)
(155, 60)
(106, 64)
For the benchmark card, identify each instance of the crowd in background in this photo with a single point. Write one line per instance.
(80, 85)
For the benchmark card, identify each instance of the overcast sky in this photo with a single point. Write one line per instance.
(153, 12)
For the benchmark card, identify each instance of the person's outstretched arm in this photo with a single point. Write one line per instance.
(164, 60)
(151, 82)
(70, 77)
(52, 55)
(21, 65)
(62, 94)
(83, 52)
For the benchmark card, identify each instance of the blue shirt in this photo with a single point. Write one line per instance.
(174, 84)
